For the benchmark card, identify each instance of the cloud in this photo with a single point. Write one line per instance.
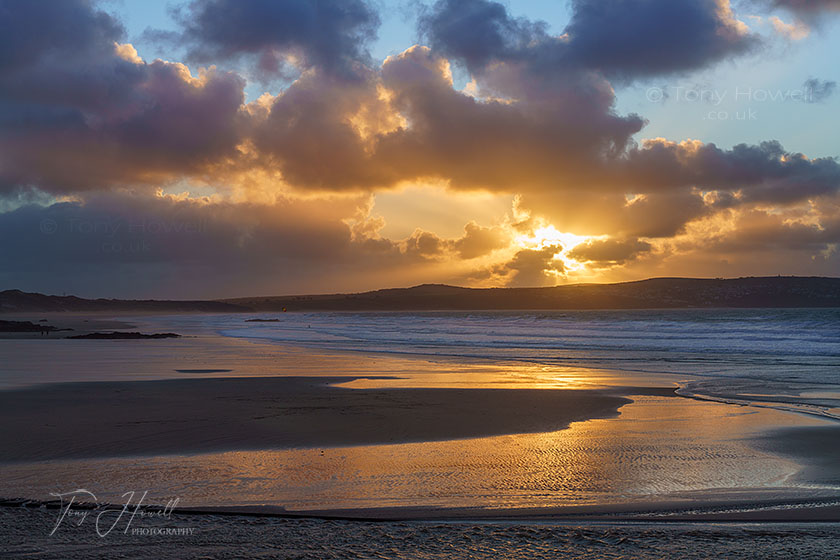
(31, 33)
(805, 8)
(765, 231)
(154, 245)
(622, 39)
(149, 245)
(807, 13)
(478, 32)
(328, 34)
(661, 214)
(574, 157)
(532, 267)
(425, 245)
(609, 252)
(763, 173)
(83, 113)
(516, 144)
(818, 91)
(102, 118)
(84, 120)
(118, 243)
(315, 132)
(407, 123)
(755, 241)
(479, 241)
(643, 38)
(795, 31)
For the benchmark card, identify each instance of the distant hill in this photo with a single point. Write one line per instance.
(655, 293)
(13, 301)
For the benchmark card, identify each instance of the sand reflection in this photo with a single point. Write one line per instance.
(658, 447)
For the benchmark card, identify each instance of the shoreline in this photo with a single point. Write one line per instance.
(164, 419)
(744, 510)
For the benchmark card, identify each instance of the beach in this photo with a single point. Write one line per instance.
(285, 425)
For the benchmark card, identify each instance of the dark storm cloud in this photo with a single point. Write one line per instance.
(623, 39)
(330, 34)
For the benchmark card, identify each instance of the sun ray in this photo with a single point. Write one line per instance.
(548, 235)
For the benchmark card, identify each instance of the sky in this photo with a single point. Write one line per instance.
(223, 148)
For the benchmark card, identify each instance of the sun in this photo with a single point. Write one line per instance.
(548, 236)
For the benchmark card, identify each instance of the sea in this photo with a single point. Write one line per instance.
(790, 356)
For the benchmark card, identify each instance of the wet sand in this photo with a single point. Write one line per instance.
(27, 534)
(817, 447)
(69, 423)
(665, 458)
(83, 420)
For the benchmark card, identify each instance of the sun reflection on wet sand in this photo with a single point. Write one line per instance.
(31, 362)
(658, 447)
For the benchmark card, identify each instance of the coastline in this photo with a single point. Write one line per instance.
(237, 404)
